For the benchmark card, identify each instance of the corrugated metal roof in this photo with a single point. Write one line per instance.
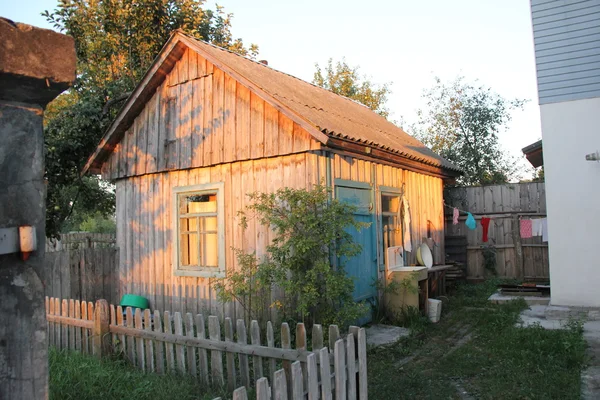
(335, 115)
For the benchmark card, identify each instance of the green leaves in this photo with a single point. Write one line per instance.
(346, 81)
(309, 233)
(462, 123)
(116, 41)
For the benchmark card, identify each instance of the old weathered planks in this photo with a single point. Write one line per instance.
(230, 357)
(142, 335)
(88, 273)
(506, 205)
(147, 229)
(201, 116)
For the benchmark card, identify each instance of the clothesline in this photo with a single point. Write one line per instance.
(500, 214)
(452, 207)
(528, 227)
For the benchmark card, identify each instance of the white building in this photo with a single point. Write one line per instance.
(567, 51)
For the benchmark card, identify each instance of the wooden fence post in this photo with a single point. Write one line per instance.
(297, 381)
(516, 236)
(351, 367)
(280, 386)
(286, 343)
(230, 357)
(271, 343)
(325, 374)
(362, 364)
(240, 394)
(243, 359)
(340, 370)
(262, 389)
(101, 333)
(313, 377)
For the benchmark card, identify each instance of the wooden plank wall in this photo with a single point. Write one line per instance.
(145, 223)
(145, 227)
(200, 116)
(83, 274)
(424, 195)
(504, 204)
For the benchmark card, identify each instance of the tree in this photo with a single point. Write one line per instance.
(461, 123)
(116, 41)
(346, 81)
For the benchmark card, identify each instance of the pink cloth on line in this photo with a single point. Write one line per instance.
(455, 216)
(526, 228)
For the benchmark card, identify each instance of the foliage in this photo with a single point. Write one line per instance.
(98, 224)
(407, 315)
(116, 42)
(538, 175)
(77, 376)
(310, 231)
(345, 80)
(462, 123)
(69, 139)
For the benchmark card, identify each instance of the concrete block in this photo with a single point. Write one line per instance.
(36, 64)
(498, 298)
(559, 312)
(381, 335)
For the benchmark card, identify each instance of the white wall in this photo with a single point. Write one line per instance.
(570, 130)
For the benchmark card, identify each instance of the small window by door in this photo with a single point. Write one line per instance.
(391, 228)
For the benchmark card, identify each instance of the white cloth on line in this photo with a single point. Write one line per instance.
(536, 227)
(544, 223)
(406, 225)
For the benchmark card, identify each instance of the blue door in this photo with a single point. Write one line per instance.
(363, 267)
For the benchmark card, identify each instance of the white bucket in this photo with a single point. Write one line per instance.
(434, 310)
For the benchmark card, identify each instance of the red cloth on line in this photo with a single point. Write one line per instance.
(526, 228)
(485, 223)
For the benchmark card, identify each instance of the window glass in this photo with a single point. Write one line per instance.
(391, 230)
(198, 248)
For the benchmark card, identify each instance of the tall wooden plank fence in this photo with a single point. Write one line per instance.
(506, 204)
(81, 240)
(82, 274)
(163, 343)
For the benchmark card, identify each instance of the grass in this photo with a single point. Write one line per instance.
(495, 359)
(78, 376)
(475, 348)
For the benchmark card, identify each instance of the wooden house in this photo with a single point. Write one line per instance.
(205, 127)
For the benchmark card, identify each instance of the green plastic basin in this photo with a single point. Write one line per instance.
(134, 301)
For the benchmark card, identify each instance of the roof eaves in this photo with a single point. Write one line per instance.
(448, 166)
(532, 147)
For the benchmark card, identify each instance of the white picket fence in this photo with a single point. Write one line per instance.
(160, 343)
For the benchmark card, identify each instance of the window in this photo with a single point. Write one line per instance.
(391, 228)
(199, 242)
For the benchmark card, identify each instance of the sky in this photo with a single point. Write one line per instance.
(407, 43)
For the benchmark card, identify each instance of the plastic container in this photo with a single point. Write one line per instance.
(134, 301)
(434, 310)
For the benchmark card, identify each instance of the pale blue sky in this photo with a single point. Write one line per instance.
(401, 41)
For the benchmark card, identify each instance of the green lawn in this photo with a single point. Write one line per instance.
(77, 376)
(495, 361)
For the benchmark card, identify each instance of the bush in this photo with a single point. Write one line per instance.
(304, 260)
